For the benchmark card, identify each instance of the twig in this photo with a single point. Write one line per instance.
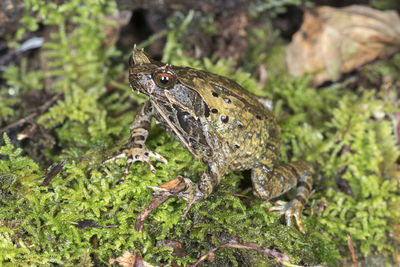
(94, 240)
(277, 256)
(352, 252)
(33, 115)
(53, 172)
(155, 202)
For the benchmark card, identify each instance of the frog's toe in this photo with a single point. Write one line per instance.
(143, 155)
(137, 154)
(115, 158)
(190, 193)
(129, 162)
(157, 156)
(290, 209)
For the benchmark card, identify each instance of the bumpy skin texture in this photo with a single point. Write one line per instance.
(221, 124)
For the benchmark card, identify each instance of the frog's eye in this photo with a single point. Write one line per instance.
(165, 79)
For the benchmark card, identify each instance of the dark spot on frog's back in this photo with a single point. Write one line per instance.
(214, 94)
(273, 132)
(230, 93)
(224, 119)
(258, 117)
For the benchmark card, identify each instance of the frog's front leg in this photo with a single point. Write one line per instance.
(193, 192)
(137, 150)
(269, 183)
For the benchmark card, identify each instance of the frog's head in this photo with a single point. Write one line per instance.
(161, 82)
(150, 77)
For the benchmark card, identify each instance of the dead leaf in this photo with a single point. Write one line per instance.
(332, 41)
(131, 260)
(112, 31)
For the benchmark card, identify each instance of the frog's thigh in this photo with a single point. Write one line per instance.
(270, 183)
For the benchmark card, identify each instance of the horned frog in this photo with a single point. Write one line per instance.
(219, 123)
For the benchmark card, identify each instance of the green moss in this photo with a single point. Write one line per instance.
(344, 134)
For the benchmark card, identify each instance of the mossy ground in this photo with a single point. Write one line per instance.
(347, 134)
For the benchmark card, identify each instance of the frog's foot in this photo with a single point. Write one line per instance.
(137, 154)
(190, 193)
(290, 209)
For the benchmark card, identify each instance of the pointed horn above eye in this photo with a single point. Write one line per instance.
(139, 56)
(167, 67)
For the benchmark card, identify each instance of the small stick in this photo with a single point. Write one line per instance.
(351, 248)
(53, 172)
(31, 116)
(155, 202)
(277, 256)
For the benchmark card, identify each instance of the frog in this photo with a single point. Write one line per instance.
(219, 123)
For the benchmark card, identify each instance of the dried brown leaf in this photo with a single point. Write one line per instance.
(174, 186)
(131, 260)
(332, 41)
(171, 184)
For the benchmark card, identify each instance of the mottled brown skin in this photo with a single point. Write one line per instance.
(218, 122)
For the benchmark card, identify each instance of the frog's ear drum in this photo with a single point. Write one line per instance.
(165, 79)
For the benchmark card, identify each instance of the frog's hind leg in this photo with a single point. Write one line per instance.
(270, 183)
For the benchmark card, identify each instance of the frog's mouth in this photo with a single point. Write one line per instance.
(135, 86)
(138, 80)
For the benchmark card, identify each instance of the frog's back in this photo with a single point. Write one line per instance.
(220, 91)
(246, 129)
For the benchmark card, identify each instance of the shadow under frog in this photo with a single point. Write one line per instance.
(221, 124)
